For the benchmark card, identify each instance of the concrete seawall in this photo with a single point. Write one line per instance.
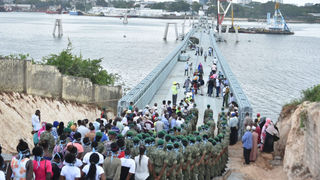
(44, 80)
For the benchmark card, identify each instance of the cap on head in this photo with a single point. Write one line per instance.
(253, 128)
(174, 82)
(248, 128)
(160, 142)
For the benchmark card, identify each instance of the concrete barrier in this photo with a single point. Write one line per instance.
(44, 80)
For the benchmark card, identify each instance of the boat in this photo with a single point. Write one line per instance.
(75, 13)
(277, 25)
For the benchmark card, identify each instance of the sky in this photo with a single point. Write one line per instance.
(296, 2)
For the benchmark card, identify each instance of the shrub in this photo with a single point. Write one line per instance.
(74, 65)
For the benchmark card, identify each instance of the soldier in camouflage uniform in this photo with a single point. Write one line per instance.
(172, 162)
(129, 141)
(194, 120)
(135, 149)
(159, 161)
(203, 152)
(187, 159)
(46, 136)
(180, 159)
(208, 115)
(194, 158)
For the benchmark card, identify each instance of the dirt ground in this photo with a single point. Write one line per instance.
(262, 169)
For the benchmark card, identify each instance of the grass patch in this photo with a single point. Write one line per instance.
(303, 119)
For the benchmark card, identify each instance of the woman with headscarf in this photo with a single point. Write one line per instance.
(271, 133)
(43, 129)
(21, 166)
(263, 132)
(60, 128)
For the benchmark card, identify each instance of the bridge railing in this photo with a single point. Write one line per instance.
(240, 97)
(143, 93)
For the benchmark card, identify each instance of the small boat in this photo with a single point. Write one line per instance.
(75, 13)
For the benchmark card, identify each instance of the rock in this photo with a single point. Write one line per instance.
(299, 140)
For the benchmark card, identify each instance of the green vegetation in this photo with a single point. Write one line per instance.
(303, 119)
(312, 94)
(17, 56)
(74, 65)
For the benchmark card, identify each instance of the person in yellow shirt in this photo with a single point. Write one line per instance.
(174, 89)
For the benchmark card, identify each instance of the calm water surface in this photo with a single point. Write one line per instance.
(274, 69)
(271, 69)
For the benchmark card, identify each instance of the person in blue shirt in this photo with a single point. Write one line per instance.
(165, 122)
(247, 144)
(173, 121)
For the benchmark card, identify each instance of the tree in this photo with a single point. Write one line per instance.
(195, 6)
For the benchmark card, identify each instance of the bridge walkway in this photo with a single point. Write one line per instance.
(177, 74)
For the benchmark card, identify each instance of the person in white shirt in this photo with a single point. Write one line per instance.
(179, 122)
(36, 121)
(70, 171)
(128, 166)
(125, 129)
(82, 129)
(93, 170)
(142, 165)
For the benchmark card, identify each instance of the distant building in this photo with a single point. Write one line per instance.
(244, 1)
(308, 4)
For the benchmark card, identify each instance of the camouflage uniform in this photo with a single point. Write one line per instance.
(47, 136)
(208, 115)
(172, 162)
(159, 160)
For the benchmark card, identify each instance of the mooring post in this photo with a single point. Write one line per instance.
(236, 29)
(166, 32)
(182, 36)
(176, 29)
(58, 24)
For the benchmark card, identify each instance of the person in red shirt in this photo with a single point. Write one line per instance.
(41, 167)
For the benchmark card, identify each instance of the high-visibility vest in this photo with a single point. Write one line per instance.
(174, 89)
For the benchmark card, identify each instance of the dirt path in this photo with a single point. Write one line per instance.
(259, 170)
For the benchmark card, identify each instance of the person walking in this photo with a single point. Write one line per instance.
(272, 134)
(143, 165)
(217, 87)
(205, 56)
(36, 125)
(254, 149)
(201, 51)
(208, 115)
(233, 128)
(225, 92)
(187, 84)
(174, 90)
(247, 144)
(186, 69)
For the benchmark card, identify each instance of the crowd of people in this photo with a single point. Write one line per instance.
(149, 143)
(260, 134)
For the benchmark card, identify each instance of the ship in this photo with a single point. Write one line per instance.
(276, 25)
